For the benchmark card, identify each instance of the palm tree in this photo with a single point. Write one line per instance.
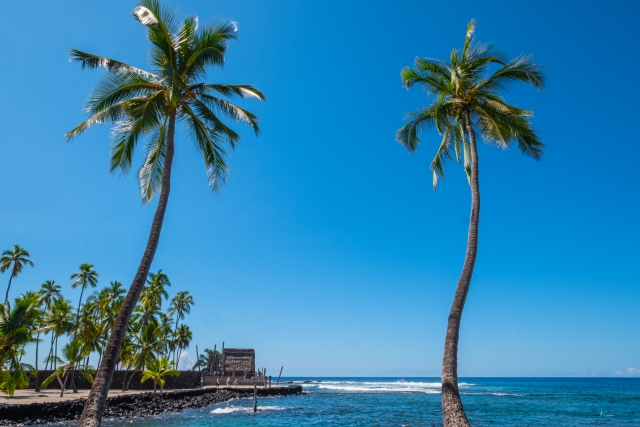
(16, 331)
(59, 322)
(110, 302)
(180, 305)
(166, 334)
(74, 352)
(87, 276)
(141, 104)
(157, 370)
(182, 339)
(49, 292)
(467, 102)
(17, 257)
(150, 302)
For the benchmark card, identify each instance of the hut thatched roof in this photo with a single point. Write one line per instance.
(239, 360)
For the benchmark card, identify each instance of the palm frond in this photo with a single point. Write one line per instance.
(208, 49)
(150, 174)
(243, 91)
(208, 143)
(144, 115)
(231, 111)
(88, 60)
(520, 69)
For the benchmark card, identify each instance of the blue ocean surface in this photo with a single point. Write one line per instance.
(416, 402)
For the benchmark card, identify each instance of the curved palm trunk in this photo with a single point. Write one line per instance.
(95, 404)
(78, 314)
(452, 410)
(6, 298)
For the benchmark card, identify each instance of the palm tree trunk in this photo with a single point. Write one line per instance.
(6, 298)
(131, 379)
(452, 410)
(37, 389)
(55, 361)
(78, 314)
(66, 376)
(124, 380)
(46, 366)
(95, 404)
(73, 380)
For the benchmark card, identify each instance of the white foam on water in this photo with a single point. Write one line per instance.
(247, 409)
(379, 386)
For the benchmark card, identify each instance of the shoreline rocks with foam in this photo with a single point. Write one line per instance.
(133, 405)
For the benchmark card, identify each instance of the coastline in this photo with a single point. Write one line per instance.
(131, 404)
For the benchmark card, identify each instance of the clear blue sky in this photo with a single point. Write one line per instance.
(328, 251)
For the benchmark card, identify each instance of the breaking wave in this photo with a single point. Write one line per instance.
(247, 409)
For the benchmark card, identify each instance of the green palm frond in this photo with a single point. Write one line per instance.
(209, 144)
(138, 104)
(150, 174)
(463, 90)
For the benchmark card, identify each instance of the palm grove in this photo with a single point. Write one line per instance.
(44, 318)
(467, 107)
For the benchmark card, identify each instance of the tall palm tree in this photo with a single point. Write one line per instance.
(141, 104)
(467, 103)
(17, 257)
(166, 334)
(150, 302)
(59, 322)
(87, 276)
(180, 305)
(49, 292)
(182, 339)
(110, 302)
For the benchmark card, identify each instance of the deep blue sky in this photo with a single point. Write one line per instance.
(328, 251)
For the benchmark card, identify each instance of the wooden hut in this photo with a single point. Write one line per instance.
(239, 362)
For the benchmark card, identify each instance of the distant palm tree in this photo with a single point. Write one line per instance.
(157, 370)
(166, 334)
(59, 322)
(74, 352)
(49, 292)
(141, 104)
(182, 339)
(110, 302)
(16, 331)
(87, 276)
(180, 305)
(467, 102)
(16, 257)
(150, 302)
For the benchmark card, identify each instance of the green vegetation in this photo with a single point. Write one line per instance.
(157, 370)
(467, 103)
(151, 334)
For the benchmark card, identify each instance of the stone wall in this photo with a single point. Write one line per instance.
(186, 380)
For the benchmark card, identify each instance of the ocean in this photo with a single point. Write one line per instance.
(505, 402)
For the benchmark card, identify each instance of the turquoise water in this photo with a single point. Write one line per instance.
(399, 402)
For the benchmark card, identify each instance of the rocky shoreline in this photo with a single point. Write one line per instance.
(133, 405)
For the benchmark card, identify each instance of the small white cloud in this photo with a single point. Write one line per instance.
(186, 362)
(627, 372)
(235, 26)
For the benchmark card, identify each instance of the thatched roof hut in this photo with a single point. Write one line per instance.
(238, 360)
